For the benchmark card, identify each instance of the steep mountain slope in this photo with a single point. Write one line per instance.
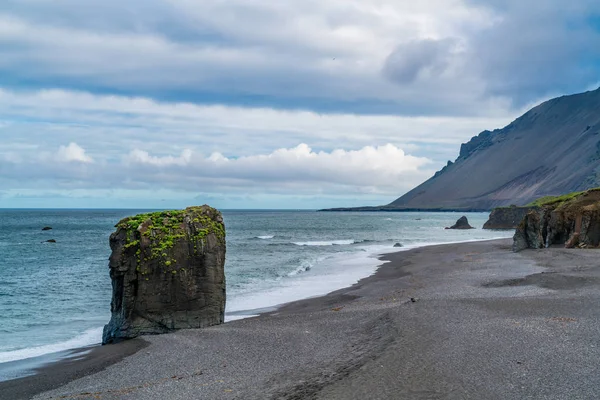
(551, 150)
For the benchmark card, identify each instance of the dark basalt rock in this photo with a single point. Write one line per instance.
(167, 271)
(571, 220)
(529, 232)
(47, 228)
(398, 245)
(506, 217)
(462, 223)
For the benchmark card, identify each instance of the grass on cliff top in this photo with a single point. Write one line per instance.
(558, 200)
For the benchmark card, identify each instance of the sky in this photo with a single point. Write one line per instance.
(267, 104)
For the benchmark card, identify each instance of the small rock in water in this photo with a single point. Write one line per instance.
(462, 223)
(398, 245)
(51, 241)
(46, 228)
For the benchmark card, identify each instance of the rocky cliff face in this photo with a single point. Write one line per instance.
(572, 221)
(506, 217)
(551, 150)
(167, 271)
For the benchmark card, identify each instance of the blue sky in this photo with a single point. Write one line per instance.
(263, 104)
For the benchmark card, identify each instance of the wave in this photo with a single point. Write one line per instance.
(341, 242)
(326, 243)
(370, 241)
(87, 338)
(265, 237)
(305, 267)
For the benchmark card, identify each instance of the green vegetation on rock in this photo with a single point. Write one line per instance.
(153, 235)
(558, 200)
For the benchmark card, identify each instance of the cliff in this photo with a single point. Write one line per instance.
(167, 272)
(572, 220)
(506, 217)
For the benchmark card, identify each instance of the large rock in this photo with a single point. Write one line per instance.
(167, 271)
(571, 220)
(529, 232)
(461, 223)
(506, 217)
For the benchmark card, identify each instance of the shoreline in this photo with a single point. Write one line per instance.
(483, 322)
(87, 360)
(40, 361)
(82, 361)
(25, 367)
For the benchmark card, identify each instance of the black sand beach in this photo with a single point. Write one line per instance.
(483, 323)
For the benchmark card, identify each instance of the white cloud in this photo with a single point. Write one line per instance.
(142, 157)
(73, 152)
(114, 125)
(384, 170)
(373, 167)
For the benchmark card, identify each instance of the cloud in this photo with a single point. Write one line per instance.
(548, 49)
(315, 55)
(326, 55)
(299, 170)
(71, 153)
(418, 59)
(142, 157)
(382, 166)
(114, 125)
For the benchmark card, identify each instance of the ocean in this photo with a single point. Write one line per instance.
(56, 296)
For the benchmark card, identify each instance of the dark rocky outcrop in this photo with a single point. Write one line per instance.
(47, 228)
(506, 217)
(572, 220)
(529, 232)
(462, 223)
(167, 271)
(398, 245)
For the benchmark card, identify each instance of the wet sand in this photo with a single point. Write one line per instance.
(459, 321)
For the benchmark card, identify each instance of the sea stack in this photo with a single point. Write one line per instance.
(167, 272)
(461, 223)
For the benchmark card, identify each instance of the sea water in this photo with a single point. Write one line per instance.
(56, 296)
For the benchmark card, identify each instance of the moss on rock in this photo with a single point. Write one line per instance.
(153, 234)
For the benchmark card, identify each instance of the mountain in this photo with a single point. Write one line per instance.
(552, 149)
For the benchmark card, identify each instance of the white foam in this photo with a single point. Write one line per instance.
(327, 275)
(266, 237)
(89, 337)
(304, 267)
(325, 243)
(335, 272)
